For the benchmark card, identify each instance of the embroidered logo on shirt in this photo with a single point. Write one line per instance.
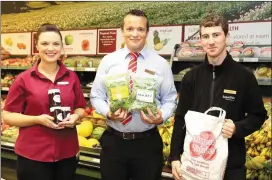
(229, 97)
(63, 83)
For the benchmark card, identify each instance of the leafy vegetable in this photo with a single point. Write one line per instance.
(144, 93)
(118, 91)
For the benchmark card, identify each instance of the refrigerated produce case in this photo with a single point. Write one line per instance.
(88, 165)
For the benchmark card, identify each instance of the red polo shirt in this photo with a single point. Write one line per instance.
(29, 95)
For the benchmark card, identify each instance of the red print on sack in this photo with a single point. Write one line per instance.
(203, 145)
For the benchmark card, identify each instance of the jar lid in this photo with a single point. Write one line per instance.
(55, 108)
(50, 91)
(66, 108)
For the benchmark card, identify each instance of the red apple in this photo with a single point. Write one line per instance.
(88, 110)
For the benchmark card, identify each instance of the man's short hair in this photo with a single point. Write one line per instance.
(136, 12)
(212, 20)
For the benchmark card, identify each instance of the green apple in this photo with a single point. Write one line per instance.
(69, 39)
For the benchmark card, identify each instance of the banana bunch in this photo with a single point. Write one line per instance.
(166, 131)
(253, 151)
(255, 163)
(251, 174)
(166, 150)
(264, 175)
(259, 142)
(266, 152)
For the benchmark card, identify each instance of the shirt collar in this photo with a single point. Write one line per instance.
(143, 52)
(62, 70)
(225, 64)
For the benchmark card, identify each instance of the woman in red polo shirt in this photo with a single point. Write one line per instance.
(46, 151)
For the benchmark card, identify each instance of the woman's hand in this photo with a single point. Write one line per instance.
(47, 121)
(70, 121)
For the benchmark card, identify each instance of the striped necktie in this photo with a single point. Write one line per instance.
(132, 66)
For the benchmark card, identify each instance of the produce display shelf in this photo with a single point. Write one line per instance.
(89, 159)
(241, 59)
(189, 59)
(85, 69)
(263, 82)
(16, 67)
(86, 95)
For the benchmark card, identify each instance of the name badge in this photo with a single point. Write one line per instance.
(227, 91)
(149, 71)
(63, 83)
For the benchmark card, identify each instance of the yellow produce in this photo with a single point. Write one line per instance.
(263, 152)
(166, 138)
(170, 130)
(161, 130)
(98, 116)
(255, 163)
(166, 150)
(8, 41)
(158, 46)
(87, 123)
(92, 142)
(82, 141)
(85, 129)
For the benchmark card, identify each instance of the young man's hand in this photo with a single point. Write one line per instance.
(228, 128)
(119, 115)
(152, 119)
(176, 169)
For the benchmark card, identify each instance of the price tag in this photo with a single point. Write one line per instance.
(5, 88)
(251, 59)
(145, 95)
(71, 68)
(85, 94)
(175, 59)
(90, 69)
(236, 59)
(95, 160)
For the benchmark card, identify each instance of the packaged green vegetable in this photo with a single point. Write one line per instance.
(118, 91)
(144, 93)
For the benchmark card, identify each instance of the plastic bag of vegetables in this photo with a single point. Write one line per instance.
(118, 91)
(144, 93)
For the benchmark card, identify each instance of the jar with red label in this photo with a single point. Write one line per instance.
(54, 97)
(56, 112)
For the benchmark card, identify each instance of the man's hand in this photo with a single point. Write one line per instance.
(228, 128)
(47, 121)
(176, 169)
(119, 115)
(152, 119)
(69, 121)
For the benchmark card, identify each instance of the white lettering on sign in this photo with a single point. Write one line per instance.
(145, 95)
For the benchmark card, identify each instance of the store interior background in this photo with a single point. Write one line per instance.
(24, 16)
